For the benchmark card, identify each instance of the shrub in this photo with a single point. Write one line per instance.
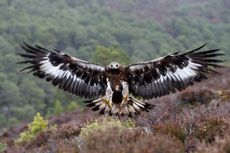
(3, 147)
(72, 106)
(173, 129)
(210, 128)
(131, 140)
(203, 96)
(62, 139)
(38, 125)
(106, 123)
(221, 145)
(58, 108)
(225, 95)
(112, 135)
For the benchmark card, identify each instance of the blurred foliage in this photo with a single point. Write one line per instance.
(212, 127)
(105, 124)
(172, 129)
(3, 147)
(58, 109)
(106, 55)
(101, 31)
(203, 128)
(131, 140)
(220, 146)
(38, 125)
(73, 106)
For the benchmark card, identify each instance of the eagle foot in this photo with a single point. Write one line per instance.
(107, 102)
(125, 100)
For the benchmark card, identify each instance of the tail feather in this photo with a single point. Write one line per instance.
(141, 105)
(131, 107)
(98, 105)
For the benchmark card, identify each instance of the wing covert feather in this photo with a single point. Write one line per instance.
(173, 72)
(71, 74)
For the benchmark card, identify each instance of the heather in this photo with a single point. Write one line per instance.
(195, 120)
(100, 31)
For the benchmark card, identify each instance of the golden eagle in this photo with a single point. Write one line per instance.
(111, 89)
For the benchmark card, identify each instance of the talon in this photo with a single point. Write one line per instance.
(107, 102)
(110, 104)
(125, 99)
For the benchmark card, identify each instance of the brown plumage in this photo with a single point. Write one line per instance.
(110, 87)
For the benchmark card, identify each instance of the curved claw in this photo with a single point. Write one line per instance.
(125, 100)
(108, 102)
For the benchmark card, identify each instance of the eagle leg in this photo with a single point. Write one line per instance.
(125, 93)
(108, 102)
(125, 100)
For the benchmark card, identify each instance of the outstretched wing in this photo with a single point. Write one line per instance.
(76, 76)
(173, 72)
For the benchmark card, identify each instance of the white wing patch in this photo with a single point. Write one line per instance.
(176, 71)
(82, 78)
(55, 71)
(180, 75)
(76, 84)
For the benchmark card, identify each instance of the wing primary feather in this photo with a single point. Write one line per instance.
(68, 73)
(202, 46)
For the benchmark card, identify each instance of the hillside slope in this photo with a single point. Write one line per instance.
(136, 30)
(178, 123)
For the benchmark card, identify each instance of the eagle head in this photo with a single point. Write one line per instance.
(114, 65)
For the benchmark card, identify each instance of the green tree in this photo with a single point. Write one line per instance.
(58, 108)
(38, 125)
(106, 55)
(72, 106)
